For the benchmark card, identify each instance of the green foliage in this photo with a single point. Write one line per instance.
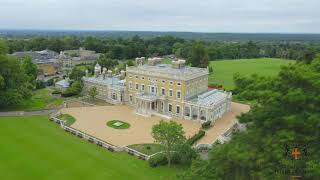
(14, 83)
(40, 84)
(199, 55)
(196, 137)
(287, 110)
(107, 62)
(3, 47)
(210, 69)
(69, 120)
(30, 69)
(168, 134)
(74, 89)
(206, 125)
(77, 73)
(130, 63)
(93, 92)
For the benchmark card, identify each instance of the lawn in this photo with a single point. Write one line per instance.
(147, 149)
(122, 125)
(34, 148)
(224, 70)
(67, 118)
(41, 99)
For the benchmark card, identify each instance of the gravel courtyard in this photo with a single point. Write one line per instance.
(92, 120)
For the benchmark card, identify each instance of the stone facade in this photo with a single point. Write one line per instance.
(167, 90)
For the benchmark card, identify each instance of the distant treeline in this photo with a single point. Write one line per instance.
(129, 48)
(235, 37)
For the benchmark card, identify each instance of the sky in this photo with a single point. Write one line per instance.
(249, 16)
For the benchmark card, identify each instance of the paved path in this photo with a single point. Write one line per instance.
(28, 113)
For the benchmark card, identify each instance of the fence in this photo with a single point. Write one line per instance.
(136, 153)
(95, 140)
(83, 135)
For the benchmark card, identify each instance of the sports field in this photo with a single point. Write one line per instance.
(223, 71)
(33, 148)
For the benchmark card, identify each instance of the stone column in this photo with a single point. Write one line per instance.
(206, 114)
(198, 118)
(191, 115)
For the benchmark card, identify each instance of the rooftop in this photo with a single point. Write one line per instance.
(114, 81)
(167, 71)
(210, 98)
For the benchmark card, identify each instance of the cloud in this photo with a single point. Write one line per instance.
(163, 15)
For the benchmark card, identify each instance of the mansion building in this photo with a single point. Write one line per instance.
(168, 90)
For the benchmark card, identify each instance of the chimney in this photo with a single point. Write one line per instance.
(178, 63)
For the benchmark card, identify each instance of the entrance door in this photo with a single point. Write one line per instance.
(154, 105)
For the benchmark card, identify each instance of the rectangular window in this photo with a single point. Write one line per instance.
(170, 92)
(130, 85)
(142, 87)
(178, 110)
(163, 92)
(130, 98)
(170, 108)
(178, 94)
(137, 86)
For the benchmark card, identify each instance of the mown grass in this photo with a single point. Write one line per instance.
(69, 120)
(34, 148)
(224, 70)
(147, 149)
(40, 99)
(124, 125)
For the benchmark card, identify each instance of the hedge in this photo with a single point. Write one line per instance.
(196, 137)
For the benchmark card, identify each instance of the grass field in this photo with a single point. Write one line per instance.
(223, 71)
(34, 148)
(40, 99)
(147, 149)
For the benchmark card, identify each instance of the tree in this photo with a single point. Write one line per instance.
(93, 92)
(14, 84)
(107, 62)
(30, 69)
(77, 74)
(168, 134)
(199, 55)
(287, 111)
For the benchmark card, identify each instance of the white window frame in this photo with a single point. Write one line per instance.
(170, 94)
(178, 97)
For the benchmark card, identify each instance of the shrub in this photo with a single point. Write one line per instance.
(75, 89)
(40, 84)
(206, 125)
(196, 137)
(161, 159)
(56, 92)
(158, 160)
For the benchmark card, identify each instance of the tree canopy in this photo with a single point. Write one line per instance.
(14, 82)
(169, 134)
(287, 110)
